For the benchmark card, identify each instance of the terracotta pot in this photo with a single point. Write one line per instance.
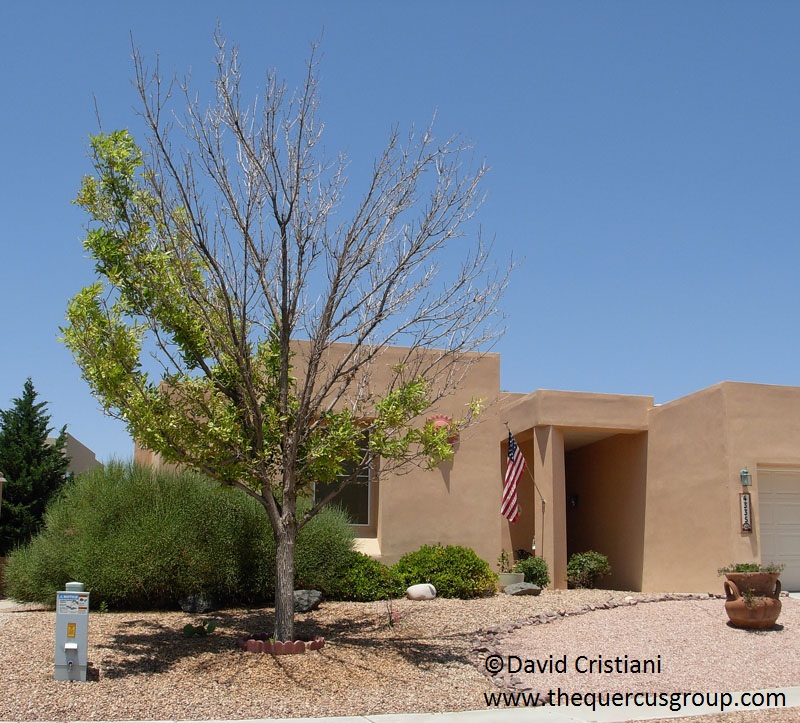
(761, 583)
(755, 612)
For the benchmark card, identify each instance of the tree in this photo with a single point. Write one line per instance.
(229, 257)
(33, 467)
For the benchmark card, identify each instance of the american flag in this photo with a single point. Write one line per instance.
(516, 464)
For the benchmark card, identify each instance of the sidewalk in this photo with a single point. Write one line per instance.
(540, 715)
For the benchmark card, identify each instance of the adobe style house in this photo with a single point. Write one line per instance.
(657, 488)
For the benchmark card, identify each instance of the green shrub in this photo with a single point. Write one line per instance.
(454, 571)
(141, 539)
(366, 580)
(323, 551)
(33, 573)
(584, 568)
(535, 570)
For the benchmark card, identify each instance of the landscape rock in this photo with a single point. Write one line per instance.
(423, 591)
(306, 600)
(523, 588)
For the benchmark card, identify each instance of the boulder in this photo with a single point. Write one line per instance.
(423, 591)
(197, 603)
(523, 588)
(306, 600)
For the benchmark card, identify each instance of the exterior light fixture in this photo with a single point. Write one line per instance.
(745, 477)
(2, 482)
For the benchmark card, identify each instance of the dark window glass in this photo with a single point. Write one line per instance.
(354, 499)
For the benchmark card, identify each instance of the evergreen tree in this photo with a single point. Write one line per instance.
(33, 467)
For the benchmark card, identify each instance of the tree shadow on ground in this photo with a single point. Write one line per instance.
(147, 646)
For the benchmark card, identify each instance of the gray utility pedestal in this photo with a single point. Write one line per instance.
(72, 632)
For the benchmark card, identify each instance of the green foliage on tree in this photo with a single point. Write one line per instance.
(34, 468)
(225, 255)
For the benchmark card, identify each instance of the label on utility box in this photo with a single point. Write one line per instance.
(75, 603)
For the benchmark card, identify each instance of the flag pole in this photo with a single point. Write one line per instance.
(538, 491)
(527, 468)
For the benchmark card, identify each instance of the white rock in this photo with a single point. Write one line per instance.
(423, 591)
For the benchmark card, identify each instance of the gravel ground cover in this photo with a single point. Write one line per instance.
(688, 642)
(430, 659)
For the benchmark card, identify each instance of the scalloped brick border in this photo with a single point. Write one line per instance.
(261, 643)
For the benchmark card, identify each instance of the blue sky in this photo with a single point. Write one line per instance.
(645, 168)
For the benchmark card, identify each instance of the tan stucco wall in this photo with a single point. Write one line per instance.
(551, 517)
(763, 432)
(698, 445)
(82, 459)
(687, 511)
(545, 407)
(458, 503)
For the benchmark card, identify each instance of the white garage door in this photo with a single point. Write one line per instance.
(779, 514)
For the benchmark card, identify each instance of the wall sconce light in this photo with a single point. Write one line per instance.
(573, 501)
(745, 477)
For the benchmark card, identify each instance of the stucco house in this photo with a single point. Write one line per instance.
(81, 459)
(668, 492)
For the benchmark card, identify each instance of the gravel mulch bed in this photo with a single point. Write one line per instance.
(689, 643)
(430, 660)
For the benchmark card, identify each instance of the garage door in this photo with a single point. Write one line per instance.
(779, 514)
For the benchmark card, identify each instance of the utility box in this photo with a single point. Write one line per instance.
(72, 633)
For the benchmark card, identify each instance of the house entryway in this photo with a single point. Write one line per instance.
(605, 476)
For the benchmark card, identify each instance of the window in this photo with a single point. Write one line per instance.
(355, 498)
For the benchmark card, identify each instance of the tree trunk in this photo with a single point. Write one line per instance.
(284, 583)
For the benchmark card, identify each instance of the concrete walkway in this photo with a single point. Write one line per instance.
(535, 715)
(546, 714)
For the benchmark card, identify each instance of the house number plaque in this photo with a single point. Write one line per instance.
(747, 512)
